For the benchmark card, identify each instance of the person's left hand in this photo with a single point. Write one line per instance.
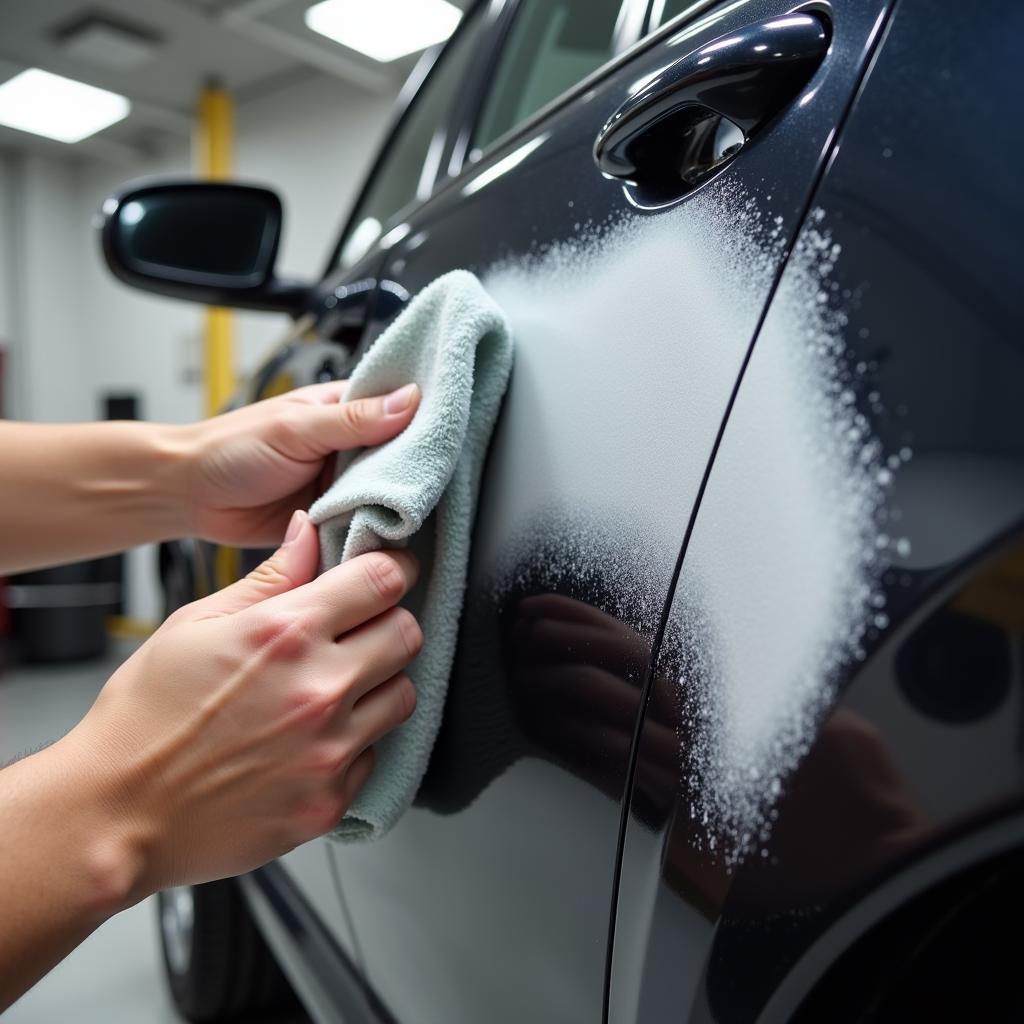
(249, 469)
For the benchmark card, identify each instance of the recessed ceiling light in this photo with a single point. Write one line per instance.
(384, 29)
(59, 108)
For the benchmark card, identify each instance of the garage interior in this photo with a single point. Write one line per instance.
(239, 88)
(643, 431)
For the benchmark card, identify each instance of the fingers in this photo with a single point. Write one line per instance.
(385, 708)
(377, 651)
(292, 565)
(318, 394)
(319, 428)
(357, 775)
(382, 709)
(354, 592)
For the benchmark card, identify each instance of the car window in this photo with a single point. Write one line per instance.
(403, 174)
(663, 11)
(551, 46)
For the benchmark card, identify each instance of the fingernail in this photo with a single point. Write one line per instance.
(400, 400)
(294, 525)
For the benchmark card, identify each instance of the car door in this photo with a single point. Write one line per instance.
(861, 593)
(634, 300)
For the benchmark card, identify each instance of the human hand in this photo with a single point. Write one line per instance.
(245, 725)
(246, 470)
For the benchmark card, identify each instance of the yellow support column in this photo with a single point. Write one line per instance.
(215, 137)
(214, 140)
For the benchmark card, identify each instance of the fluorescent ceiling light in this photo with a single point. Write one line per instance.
(59, 108)
(384, 29)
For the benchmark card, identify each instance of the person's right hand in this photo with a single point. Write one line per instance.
(244, 726)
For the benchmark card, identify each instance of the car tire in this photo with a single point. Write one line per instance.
(218, 965)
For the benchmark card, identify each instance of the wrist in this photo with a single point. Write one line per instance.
(58, 809)
(115, 842)
(134, 473)
(171, 453)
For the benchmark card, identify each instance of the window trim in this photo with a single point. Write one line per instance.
(502, 14)
(584, 84)
(404, 106)
(629, 27)
(467, 111)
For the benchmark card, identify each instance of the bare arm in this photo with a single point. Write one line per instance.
(242, 728)
(78, 490)
(70, 491)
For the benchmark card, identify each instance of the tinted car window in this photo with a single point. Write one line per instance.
(551, 46)
(663, 11)
(399, 177)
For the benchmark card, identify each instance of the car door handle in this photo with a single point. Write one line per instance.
(688, 121)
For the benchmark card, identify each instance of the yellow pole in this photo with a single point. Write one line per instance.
(214, 141)
(215, 138)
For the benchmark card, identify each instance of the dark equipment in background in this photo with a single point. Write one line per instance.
(60, 613)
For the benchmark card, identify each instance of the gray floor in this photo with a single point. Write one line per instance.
(115, 975)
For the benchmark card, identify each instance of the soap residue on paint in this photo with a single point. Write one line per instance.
(629, 336)
(567, 552)
(781, 585)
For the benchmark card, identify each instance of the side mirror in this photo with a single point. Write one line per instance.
(211, 242)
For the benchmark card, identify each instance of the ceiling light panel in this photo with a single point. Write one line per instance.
(58, 108)
(384, 29)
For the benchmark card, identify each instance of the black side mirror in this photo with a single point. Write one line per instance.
(212, 242)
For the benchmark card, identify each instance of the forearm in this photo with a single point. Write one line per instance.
(66, 863)
(226, 740)
(80, 490)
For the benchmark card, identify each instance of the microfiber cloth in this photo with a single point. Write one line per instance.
(420, 489)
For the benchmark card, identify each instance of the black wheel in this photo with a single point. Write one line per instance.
(218, 966)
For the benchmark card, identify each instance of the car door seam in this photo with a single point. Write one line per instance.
(875, 44)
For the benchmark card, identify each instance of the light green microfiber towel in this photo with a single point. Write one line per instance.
(454, 342)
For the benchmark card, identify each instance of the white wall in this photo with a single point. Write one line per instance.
(76, 334)
(136, 342)
(40, 292)
(6, 269)
(312, 141)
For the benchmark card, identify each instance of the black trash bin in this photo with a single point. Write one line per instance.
(59, 614)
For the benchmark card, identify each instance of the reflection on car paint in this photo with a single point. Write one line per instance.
(557, 653)
(879, 786)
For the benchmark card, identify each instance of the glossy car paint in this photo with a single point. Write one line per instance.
(915, 772)
(491, 898)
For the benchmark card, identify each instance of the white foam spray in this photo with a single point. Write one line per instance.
(781, 584)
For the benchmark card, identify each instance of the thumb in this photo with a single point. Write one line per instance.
(293, 564)
(338, 426)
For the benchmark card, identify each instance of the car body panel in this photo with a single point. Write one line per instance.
(491, 898)
(907, 768)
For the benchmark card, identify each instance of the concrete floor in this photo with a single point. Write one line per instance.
(115, 976)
